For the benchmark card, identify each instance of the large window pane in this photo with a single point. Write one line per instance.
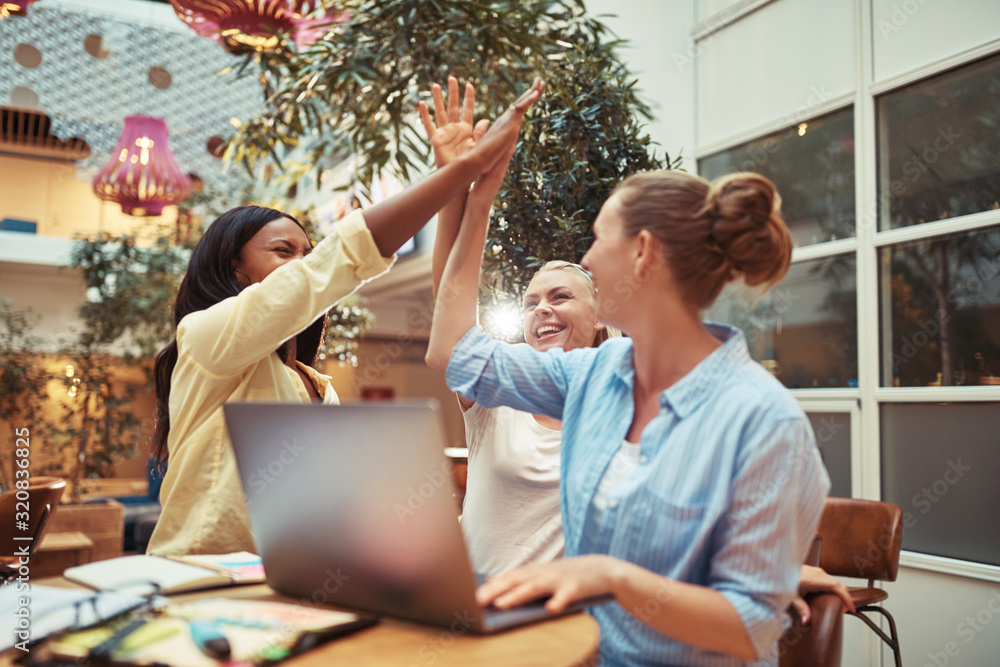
(939, 463)
(804, 330)
(941, 310)
(812, 165)
(939, 146)
(833, 437)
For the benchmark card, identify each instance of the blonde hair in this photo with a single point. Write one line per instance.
(714, 232)
(600, 335)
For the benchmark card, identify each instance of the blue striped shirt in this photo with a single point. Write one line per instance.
(727, 493)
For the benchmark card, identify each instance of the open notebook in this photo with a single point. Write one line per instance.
(170, 575)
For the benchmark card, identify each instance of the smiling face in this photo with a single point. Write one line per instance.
(275, 244)
(559, 311)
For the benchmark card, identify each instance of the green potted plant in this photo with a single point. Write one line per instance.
(24, 378)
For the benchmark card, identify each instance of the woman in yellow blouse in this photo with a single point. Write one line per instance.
(249, 317)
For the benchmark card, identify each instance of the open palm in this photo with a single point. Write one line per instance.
(454, 132)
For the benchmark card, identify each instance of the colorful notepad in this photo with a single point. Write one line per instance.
(258, 632)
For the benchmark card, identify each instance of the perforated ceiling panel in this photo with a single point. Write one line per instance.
(95, 70)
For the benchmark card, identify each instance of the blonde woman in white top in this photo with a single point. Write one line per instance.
(511, 514)
(249, 316)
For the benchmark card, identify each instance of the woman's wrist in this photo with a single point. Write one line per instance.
(617, 572)
(470, 164)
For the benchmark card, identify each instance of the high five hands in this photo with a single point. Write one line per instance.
(453, 133)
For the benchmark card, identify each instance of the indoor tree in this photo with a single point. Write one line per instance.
(578, 143)
(353, 93)
(23, 384)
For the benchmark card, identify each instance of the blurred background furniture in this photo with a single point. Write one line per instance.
(43, 494)
(141, 511)
(140, 501)
(459, 458)
(862, 539)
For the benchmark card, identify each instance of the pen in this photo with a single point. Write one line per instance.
(209, 639)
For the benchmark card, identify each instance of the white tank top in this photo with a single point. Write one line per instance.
(511, 515)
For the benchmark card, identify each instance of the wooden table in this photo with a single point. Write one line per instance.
(568, 641)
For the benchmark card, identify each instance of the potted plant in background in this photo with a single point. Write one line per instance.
(24, 379)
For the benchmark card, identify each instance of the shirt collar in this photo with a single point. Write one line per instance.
(684, 396)
(322, 382)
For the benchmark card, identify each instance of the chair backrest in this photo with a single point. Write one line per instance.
(861, 538)
(43, 497)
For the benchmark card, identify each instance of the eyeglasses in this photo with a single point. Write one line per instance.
(61, 611)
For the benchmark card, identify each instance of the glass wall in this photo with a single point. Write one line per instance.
(812, 165)
(935, 289)
(941, 312)
(938, 157)
(939, 146)
(803, 330)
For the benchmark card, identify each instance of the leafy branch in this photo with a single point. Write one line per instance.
(353, 92)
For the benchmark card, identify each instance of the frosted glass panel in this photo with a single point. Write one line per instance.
(940, 463)
(833, 437)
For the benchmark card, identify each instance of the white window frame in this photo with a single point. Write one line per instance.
(864, 402)
(850, 407)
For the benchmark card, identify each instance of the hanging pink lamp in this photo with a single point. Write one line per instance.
(142, 174)
(14, 7)
(241, 25)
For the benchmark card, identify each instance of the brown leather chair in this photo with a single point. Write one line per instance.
(862, 539)
(43, 498)
(818, 644)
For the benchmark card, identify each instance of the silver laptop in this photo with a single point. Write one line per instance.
(353, 505)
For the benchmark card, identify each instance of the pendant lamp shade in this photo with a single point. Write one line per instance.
(242, 25)
(142, 174)
(15, 7)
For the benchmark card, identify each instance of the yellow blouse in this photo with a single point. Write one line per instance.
(227, 353)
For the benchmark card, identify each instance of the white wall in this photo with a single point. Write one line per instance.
(775, 63)
(659, 54)
(908, 34)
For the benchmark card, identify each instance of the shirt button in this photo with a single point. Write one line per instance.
(613, 504)
(643, 458)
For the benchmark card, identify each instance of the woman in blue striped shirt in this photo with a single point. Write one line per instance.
(690, 484)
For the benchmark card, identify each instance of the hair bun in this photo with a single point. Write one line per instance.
(744, 211)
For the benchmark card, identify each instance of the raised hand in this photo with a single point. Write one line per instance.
(499, 140)
(454, 132)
